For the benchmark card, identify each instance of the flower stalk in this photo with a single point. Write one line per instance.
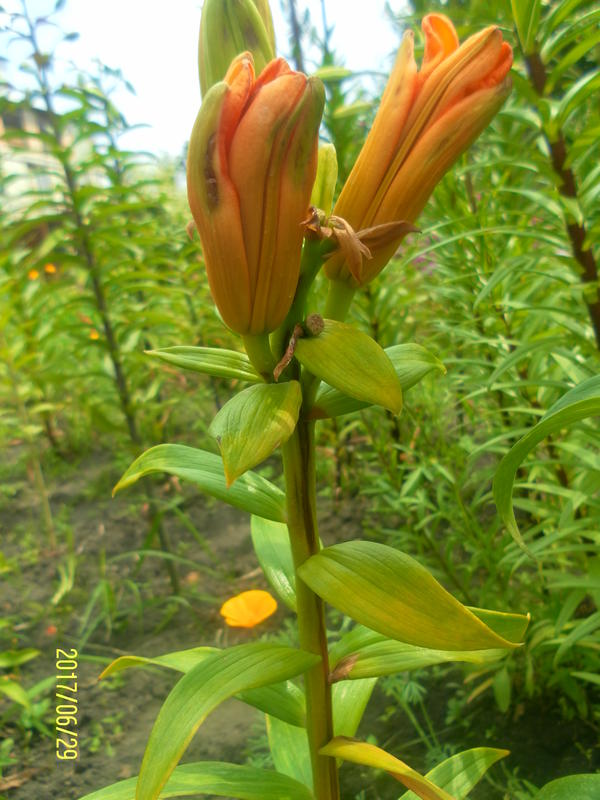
(300, 484)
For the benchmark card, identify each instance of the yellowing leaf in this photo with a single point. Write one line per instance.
(353, 363)
(254, 423)
(391, 593)
(371, 756)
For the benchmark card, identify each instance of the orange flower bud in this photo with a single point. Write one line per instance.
(248, 609)
(426, 119)
(251, 166)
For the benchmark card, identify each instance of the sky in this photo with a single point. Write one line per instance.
(155, 45)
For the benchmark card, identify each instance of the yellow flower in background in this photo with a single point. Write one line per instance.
(248, 609)
(251, 166)
(33, 274)
(49, 269)
(94, 334)
(427, 118)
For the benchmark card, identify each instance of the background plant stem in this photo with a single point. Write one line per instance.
(300, 481)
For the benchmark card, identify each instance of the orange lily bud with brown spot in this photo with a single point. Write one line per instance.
(251, 166)
(427, 118)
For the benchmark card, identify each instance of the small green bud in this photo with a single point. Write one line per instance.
(324, 186)
(231, 27)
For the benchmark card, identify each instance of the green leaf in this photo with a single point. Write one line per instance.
(458, 774)
(210, 361)
(526, 14)
(271, 542)
(371, 756)
(509, 626)
(349, 700)
(577, 95)
(15, 692)
(352, 109)
(582, 787)
(283, 700)
(251, 492)
(579, 403)
(333, 73)
(390, 592)
(180, 660)
(289, 750)
(215, 778)
(13, 658)
(501, 687)
(353, 363)
(363, 653)
(254, 423)
(411, 362)
(200, 691)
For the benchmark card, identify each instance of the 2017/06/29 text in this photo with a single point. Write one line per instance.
(67, 740)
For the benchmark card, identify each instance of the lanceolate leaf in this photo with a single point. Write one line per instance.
(218, 779)
(579, 787)
(371, 756)
(353, 363)
(579, 403)
(390, 592)
(289, 750)
(460, 773)
(210, 361)
(251, 492)
(254, 423)
(364, 653)
(349, 700)
(200, 691)
(284, 700)
(526, 14)
(411, 362)
(272, 547)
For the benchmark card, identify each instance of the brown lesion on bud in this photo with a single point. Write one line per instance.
(210, 179)
(343, 668)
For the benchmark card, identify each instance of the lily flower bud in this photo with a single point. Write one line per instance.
(327, 172)
(231, 27)
(427, 118)
(251, 166)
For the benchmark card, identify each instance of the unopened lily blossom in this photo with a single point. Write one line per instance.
(251, 166)
(426, 119)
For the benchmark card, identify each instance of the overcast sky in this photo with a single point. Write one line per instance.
(155, 43)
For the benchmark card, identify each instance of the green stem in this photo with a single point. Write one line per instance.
(300, 482)
(339, 300)
(259, 352)
(312, 261)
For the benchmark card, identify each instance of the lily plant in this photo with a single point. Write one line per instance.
(261, 193)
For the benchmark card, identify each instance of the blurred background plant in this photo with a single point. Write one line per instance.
(500, 284)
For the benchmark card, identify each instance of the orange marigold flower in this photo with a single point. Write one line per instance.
(248, 609)
(49, 269)
(33, 274)
(94, 334)
(426, 119)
